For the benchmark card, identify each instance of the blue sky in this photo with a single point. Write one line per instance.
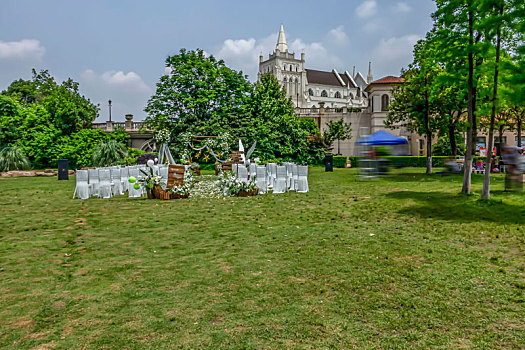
(116, 49)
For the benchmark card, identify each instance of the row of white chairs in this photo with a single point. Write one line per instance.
(272, 177)
(112, 181)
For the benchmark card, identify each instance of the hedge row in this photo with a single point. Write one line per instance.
(405, 161)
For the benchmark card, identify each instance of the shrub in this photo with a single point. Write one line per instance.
(339, 162)
(13, 158)
(143, 158)
(108, 153)
(79, 147)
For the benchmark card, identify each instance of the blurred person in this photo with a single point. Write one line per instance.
(513, 163)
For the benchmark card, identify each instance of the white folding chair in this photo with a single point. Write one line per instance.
(93, 182)
(270, 168)
(163, 172)
(105, 190)
(293, 180)
(82, 186)
(253, 171)
(116, 184)
(302, 179)
(242, 173)
(132, 192)
(261, 179)
(124, 177)
(280, 180)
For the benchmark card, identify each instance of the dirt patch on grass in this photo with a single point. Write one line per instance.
(22, 323)
(45, 346)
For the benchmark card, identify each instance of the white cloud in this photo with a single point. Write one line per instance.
(317, 55)
(394, 52)
(338, 35)
(243, 54)
(128, 92)
(23, 50)
(402, 7)
(367, 9)
(130, 82)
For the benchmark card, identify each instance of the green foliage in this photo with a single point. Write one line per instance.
(120, 135)
(132, 158)
(47, 120)
(382, 151)
(200, 95)
(443, 148)
(79, 147)
(108, 152)
(13, 158)
(338, 130)
(339, 162)
(279, 133)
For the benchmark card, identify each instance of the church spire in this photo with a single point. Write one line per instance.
(282, 46)
(369, 77)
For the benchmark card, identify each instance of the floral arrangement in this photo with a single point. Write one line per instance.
(163, 136)
(149, 180)
(185, 189)
(231, 186)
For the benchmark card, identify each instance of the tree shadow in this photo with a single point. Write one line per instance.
(435, 177)
(459, 208)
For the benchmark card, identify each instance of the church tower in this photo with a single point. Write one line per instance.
(288, 70)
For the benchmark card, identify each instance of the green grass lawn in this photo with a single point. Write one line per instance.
(402, 262)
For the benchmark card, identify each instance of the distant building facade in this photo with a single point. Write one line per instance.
(310, 88)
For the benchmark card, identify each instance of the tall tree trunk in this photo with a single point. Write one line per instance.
(485, 193)
(428, 131)
(452, 137)
(520, 120)
(467, 181)
(500, 135)
(429, 153)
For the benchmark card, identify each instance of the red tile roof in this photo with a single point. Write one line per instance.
(388, 80)
(385, 80)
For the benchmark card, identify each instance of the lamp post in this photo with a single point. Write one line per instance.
(109, 102)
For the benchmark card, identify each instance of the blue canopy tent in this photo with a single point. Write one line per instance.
(382, 138)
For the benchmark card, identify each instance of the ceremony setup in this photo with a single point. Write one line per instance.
(161, 178)
(175, 176)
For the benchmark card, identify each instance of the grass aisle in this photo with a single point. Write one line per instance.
(403, 262)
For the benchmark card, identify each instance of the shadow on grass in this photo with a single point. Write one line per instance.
(422, 177)
(459, 208)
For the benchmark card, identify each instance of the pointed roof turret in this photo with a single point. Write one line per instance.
(369, 77)
(282, 46)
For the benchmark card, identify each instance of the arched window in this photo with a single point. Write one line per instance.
(291, 68)
(337, 94)
(296, 80)
(296, 69)
(351, 96)
(324, 93)
(310, 92)
(384, 102)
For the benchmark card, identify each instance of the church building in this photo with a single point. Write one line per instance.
(310, 88)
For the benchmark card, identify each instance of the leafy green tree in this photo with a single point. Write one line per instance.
(279, 133)
(69, 110)
(336, 130)
(200, 95)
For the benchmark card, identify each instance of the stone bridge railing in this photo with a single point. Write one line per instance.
(129, 125)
